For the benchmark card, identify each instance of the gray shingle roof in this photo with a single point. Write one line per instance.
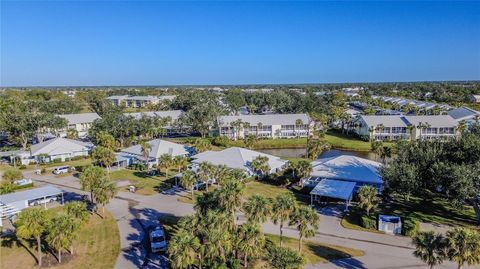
(158, 148)
(270, 119)
(58, 146)
(385, 120)
(404, 121)
(235, 157)
(433, 121)
(80, 118)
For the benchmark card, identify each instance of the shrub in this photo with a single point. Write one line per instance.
(76, 158)
(68, 159)
(12, 175)
(80, 168)
(410, 227)
(57, 160)
(22, 167)
(7, 188)
(221, 141)
(24, 186)
(43, 170)
(368, 222)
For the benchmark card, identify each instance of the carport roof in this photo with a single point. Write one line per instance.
(334, 189)
(30, 194)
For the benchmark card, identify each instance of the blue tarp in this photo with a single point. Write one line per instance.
(334, 189)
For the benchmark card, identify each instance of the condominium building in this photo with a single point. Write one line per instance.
(138, 101)
(268, 126)
(391, 127)
(80, 122)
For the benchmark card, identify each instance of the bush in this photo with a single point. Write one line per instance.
(76, 158)
(68, 159)
(12, 175)
(22, 167)
(410, 227)
(80, 168)
(24, 186)
(368, 222)
(221, 141)
(282, 257)
(43, 170)
(57, 160)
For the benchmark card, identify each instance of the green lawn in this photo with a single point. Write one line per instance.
(348, 142)
(435, 211)
(146, 184)
(315, 252)
(97, 247)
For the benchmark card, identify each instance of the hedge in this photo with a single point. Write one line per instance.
(368, 222)
(410, 227)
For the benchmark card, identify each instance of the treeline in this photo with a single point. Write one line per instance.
(447, 169)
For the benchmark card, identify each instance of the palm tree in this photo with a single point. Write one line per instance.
(250, 141)
(367, 198)
(282, 208)
(250, 241)
(304, 169)
(33, 222)
(385, 152)
(307, 221)
(77, 210)
(183, 249)
(104, 155)
(463, 246)
(462, 126)
(259, 127)
(257, 209)
(205, 172)
(230, 197)
(103, 191)
(179, 162)
(298, 123)
(165, 161)
(61, 231)
(89, 177)
(410, 129)
(221, 173)
(260, 165)
(188, 180)
(430, 247)
(145, 149)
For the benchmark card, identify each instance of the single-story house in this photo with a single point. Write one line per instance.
(158, 147)
(346, 168)
(50, 150)
(474, 98)
(270, 125)
(80, 122)
(239, 158)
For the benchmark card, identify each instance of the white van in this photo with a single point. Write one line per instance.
(61, 170)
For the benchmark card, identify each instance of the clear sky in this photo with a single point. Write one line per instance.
(163, 43)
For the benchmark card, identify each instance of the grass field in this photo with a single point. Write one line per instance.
(315, 252)
(145, 183)
(96, 248)
(435, 211)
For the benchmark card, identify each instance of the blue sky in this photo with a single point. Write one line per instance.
(164, 43)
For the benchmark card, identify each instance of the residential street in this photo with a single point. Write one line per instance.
(135, 212)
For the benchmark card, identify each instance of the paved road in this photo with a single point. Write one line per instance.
(134, 212)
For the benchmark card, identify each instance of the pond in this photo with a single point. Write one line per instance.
(300, 152)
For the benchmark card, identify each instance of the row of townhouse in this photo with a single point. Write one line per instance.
(401, 102)
(393, 127)
(138, 101)
(267, 126)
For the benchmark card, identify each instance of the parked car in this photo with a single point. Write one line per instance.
(199, 185)
(23, 182)
(61, 170)
(158, 242)
(42, 201)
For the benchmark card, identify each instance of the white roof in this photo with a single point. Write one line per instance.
(30, 194)
(174, 114)
(59, 145)
(270, 119)
(334, 189)
(80, 118)
(134, 97)
(159, 147)
(348, 168)
(237, 158)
